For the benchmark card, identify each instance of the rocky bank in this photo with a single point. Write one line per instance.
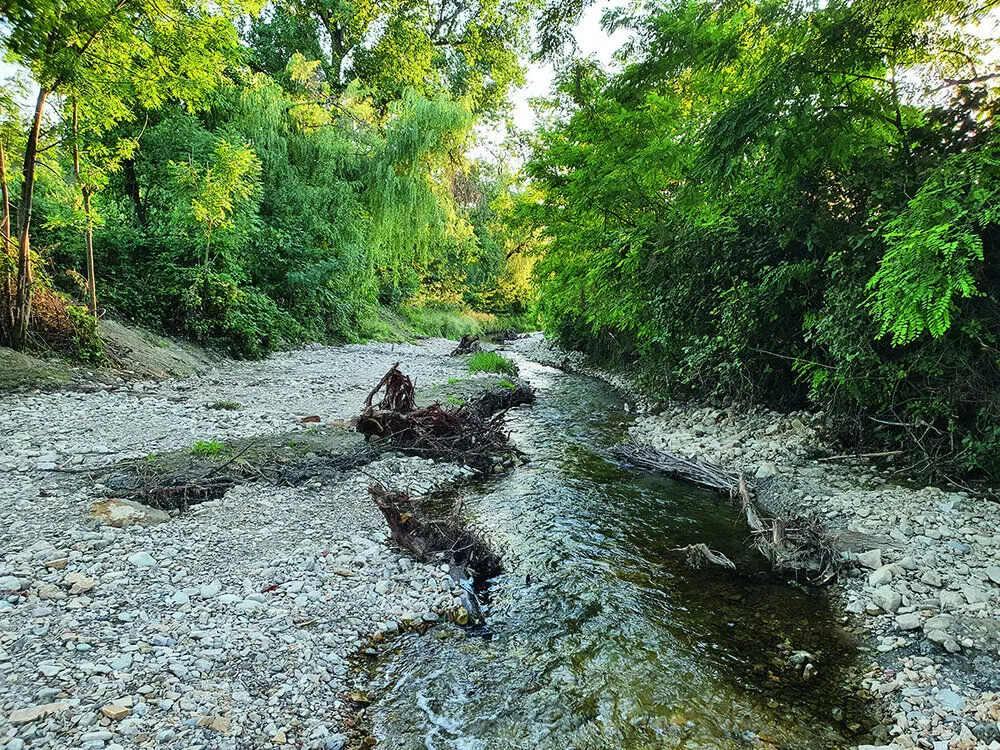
(925, 594)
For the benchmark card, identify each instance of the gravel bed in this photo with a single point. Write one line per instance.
(228, 626)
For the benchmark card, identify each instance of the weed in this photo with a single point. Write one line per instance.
(226, 405)
(207, 448)
(506, 384)
(492, 362)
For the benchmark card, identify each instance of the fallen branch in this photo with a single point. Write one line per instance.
(690, 470)
(699, 553)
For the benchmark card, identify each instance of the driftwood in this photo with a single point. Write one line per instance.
(462, 435)
(431, 540)
(467, 345)
(699, 553)
(793, 545)
(496, 400)
(691, 470)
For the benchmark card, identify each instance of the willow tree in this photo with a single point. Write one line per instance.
(112, 58)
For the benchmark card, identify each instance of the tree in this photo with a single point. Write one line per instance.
(120, 54)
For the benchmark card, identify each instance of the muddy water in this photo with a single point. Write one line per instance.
(600, 635)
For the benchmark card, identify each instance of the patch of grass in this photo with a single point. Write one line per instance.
(452, 399)
(492, 362)
(504, 383)
(452, 381)
(226, 405)
(442, 322)
(207, 448)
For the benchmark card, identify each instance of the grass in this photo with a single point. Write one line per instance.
(504, 383)
(207, 448)
(225, 405)
(442, 322)
(492, 362)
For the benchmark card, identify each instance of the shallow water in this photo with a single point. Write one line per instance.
(600, 635)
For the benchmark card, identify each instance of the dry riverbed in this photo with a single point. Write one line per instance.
(927, 592)
(228, 626)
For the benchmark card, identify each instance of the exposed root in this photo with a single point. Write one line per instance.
(433, 540)
(467, 345)
(461, 435)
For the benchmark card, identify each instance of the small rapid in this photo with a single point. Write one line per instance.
(600, 634)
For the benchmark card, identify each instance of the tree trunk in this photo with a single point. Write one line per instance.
(132, 190)
(7, 322)
(22, 301)
(91, 274)
(89, 227)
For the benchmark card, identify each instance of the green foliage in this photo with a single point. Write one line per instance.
(87, 343)
(507, 384)
(441, 322)
(764, 205)
(492, 362)
(207, 448)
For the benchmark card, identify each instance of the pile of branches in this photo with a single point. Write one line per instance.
(467, 345)
(433, 540)
(793, 545)
(462, 435)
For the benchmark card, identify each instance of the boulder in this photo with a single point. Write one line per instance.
(119, 513)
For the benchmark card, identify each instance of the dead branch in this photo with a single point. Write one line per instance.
(690, 470)
(700, 553)
(399, 393)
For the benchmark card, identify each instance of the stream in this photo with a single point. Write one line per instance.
(600, 635)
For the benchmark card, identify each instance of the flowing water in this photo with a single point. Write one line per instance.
(601, 636)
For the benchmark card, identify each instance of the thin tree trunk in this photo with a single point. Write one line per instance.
(22, 303)
(91, 274)
(89, 229)
(8, 255)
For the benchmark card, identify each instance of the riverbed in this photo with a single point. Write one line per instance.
(600, 633)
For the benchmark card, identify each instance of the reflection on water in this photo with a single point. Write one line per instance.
(602, 635)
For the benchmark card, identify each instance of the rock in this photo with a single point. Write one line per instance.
(950, 700)
(931, 578)
(765, 470)
(34, 713)
(11, 583)
(993, 573)
(872, 559)
(179, 599)
(880, 577)
(210, 590)
(115, 713)
(79, 583)
(951, 600)
(142, 560)
(49, 591)
(120, 513)
(215, 723)
(279, 738)
(909, 621)
(887, 599)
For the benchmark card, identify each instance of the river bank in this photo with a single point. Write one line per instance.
(927, 592)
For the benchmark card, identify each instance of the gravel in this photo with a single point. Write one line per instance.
(229, 626)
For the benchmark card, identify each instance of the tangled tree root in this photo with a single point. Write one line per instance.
(798, 546)
(462, 435)
(467, 345)
(434, 540)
